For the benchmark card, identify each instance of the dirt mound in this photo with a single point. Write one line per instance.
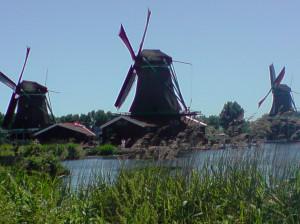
(174, 135)
(280, 127)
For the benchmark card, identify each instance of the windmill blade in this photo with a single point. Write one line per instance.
(293, 102)
(263, 99)
(27, 54)
(13, 101)
(183, 62)
(53, 91)
(279, 77)
(127, 85)
(145, 31)
(46, 78)
(49, 105)
(272, 74)
(7, 81)
(177, 88)
(10, 111)
(49, 90)
(124, 38)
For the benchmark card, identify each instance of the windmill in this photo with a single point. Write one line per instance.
(282, 99)
(30, 100)
(157, 92)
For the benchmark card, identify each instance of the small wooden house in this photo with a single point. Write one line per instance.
(65, 132)
(124, 128)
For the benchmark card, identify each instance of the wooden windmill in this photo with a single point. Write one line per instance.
(31, 102)
(157, 92)
(158, 105)
(282, 99)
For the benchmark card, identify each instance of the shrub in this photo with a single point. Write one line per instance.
(106, 149)
(31, 150)
(74, 151)
(39, 158)
(44, 164)
(58, 150)
(7, 150)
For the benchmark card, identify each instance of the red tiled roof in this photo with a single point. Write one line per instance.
(77, 127)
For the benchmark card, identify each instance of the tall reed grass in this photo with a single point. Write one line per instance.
(244, 188)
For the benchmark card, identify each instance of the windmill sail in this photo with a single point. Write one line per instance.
(157, 91)
(24, 65)
(10, 111)
(145, 31)
(272, 74)
(282, 99)
(7, 81)
(124, 38)
(279, 77)
(130, 78)
(263, 99)
(29, 98)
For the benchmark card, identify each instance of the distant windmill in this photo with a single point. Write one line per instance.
(282, 99)
(30, 100)
(157, 91)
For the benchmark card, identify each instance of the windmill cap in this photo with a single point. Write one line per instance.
(156, 55)
(33, 87)
(284, 87)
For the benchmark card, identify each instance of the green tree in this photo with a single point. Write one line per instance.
(85, 120)
(97, 118)
(69, 118)
(214, 121)
(92, 119)
(100, 117)
(231, 115)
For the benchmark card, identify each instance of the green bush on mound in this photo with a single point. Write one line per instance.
(74, 151)
(106, 149)
(39, 158)
(48, 164)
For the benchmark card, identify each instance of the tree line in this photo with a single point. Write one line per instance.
(91, 120)
(231, 114)
(230, 120)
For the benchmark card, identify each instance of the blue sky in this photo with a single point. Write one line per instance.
(230, 44)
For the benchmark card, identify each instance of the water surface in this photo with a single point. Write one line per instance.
(270, 157)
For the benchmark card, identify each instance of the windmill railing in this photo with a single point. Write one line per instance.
(180, 114)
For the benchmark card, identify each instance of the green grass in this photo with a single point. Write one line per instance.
(226, 190)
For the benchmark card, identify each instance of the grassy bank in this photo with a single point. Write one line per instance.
(236, 190)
